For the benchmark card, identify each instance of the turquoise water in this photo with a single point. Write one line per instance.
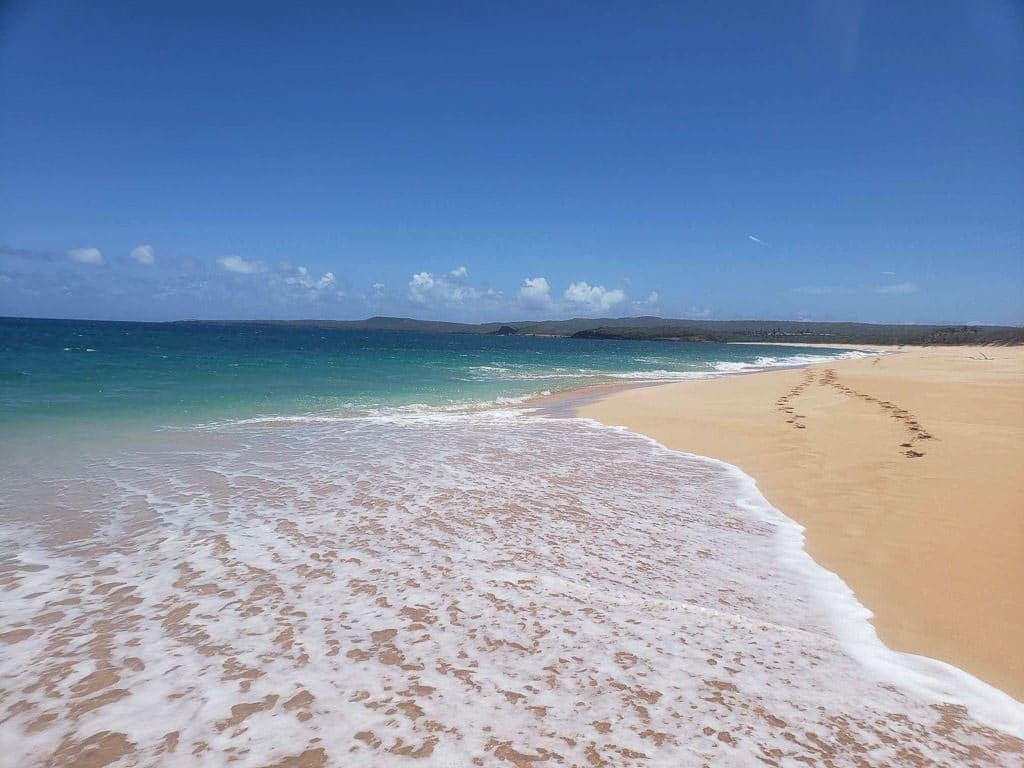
(58, 373)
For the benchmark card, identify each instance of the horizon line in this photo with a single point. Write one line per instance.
(509, 322)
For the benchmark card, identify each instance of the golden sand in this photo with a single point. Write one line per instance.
(907, 472)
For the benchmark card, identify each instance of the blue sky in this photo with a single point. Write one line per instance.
(820, 160)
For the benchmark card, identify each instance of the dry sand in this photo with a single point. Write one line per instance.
(932, 544)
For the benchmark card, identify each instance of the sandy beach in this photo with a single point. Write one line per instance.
(907, 472)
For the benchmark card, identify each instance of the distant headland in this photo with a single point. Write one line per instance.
(649, 328)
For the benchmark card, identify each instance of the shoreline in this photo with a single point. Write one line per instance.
(819, 345)
(924, 526)
(569, 401)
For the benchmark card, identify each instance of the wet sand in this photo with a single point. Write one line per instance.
(907, 472)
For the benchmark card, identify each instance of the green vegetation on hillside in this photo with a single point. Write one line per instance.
(657, 328)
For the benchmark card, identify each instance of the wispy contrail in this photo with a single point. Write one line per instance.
(756, 239)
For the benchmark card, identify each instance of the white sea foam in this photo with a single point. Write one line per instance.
(487, 586)
(495, 372)
(351, 411)
(766, 362)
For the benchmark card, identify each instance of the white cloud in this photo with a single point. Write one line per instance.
(241, 266)
(451, 290)
(421, 287)
(756, 239)
(890, 274)
(303, 279)
(378, 289)
(650, 301)
(426, 288)
(593, 297)
(535, 293)
(899, 289)
(86, 256)
(144, 254)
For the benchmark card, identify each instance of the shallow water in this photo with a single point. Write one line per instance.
(444, 588)
(88, 380)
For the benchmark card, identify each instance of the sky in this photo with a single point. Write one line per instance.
(505, 161)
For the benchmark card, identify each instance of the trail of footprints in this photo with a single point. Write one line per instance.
(783, 403)
(828, 378)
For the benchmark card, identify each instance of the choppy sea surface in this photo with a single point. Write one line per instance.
(273, 546)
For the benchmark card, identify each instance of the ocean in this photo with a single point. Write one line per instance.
(300, 546)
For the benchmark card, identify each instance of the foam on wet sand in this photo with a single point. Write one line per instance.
(479, 588)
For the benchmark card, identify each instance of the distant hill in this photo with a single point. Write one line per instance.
(661, 329)
(652, 333)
